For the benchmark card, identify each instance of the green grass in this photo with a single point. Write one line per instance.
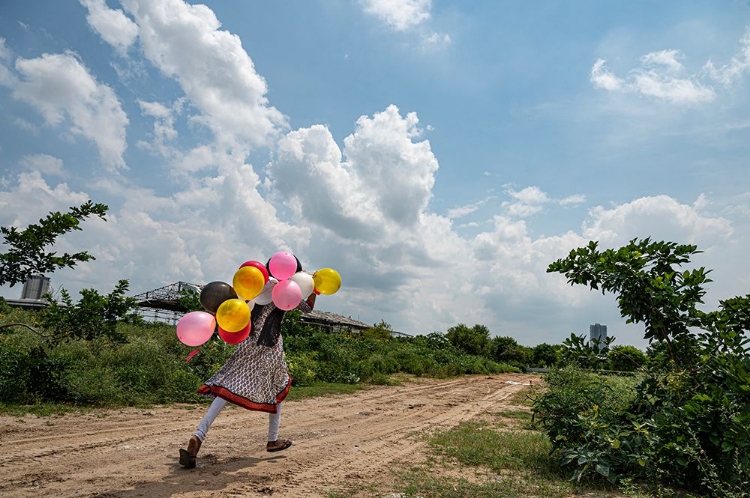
(40, 409)
(477, 443)
(322, 389)
(477, 459)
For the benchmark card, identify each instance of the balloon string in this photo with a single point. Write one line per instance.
(192, 353)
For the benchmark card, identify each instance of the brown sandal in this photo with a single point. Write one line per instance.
(278, 445)
(188, 457)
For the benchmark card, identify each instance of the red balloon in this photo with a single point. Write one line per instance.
(258, 265)
(235, 337)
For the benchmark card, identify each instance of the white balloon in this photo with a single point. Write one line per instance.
(305, 282)
(265, 296)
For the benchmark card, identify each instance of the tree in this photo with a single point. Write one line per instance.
(649, 288)
(545, 355)
(626, 358)
(507, 350)
(27, 255)
(474, 340)
(689, 421)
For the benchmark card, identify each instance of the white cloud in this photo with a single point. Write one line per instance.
(661, 76)
(164, 132)
(436, 40)
(5, 53)
(6, 77)
(461, 211)
(43, 163)
(217, 75)
(25, 125)
(399, 14)
(731, 72)
(32, 198)
(384, 184)
(112, 25)
(573, 199)
(602, 78)
(667, 58)
(659, 217)
(677, 90)
(528, 201)
(59, 86)
(656, 78)
(408, 15)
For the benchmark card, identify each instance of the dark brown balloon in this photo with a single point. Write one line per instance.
(215, 293)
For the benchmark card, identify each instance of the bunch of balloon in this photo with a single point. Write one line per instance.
(227, 306)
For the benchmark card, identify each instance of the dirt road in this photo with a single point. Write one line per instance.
(339, 441)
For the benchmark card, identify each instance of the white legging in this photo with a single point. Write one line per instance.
(213, 411)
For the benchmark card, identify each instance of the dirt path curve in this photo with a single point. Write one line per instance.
(338, 441)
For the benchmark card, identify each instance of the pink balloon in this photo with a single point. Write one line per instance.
(282, 265)
(195, 328)
(286, 295)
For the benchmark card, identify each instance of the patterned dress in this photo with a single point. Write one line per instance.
(255, 376)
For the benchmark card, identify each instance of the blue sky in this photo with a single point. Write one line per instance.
(439, 155)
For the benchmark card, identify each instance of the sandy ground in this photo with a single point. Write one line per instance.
(340, 442)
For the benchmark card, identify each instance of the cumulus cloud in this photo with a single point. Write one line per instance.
(43, 163)
(112, 25)
(660, 217)
(381, 181)
(61, 87)
(214, 71)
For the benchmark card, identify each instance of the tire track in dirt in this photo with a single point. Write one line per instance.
(339, 441)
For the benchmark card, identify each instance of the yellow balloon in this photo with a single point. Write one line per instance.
(233, 315)
(248, 282)
(327, 281)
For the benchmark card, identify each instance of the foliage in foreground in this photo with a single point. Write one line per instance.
(687, 422)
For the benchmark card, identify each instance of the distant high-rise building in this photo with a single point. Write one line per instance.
(599, 333)
(35, 287)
